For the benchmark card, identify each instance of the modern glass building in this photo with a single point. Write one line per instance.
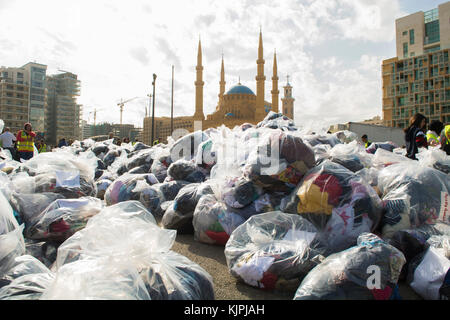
(37, 96)
(418, 79)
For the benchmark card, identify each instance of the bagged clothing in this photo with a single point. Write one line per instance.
(98, 278)
(186, 147)
(179, 215)
(338, 202)
(128, 187)
(429, 275)
(185, 170)
(171, 276)
(26, 280)
(234, 201)
(206, 157)
(12, 243)
(153, 197)
(101, 186)
(44, 251)
(388, 145)
(282, 171)
(29, 206)
(417, 193)
(368, 271)
(275, 120)
(62, 218)
(274, 250)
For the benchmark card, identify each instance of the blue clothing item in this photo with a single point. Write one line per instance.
(62, 143)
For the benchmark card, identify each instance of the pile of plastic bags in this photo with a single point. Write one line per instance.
(307, 212)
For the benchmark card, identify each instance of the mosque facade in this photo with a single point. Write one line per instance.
(235, 107)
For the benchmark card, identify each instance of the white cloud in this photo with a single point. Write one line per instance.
(116, 46)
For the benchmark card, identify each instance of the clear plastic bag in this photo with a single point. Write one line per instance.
(185, 170)
(153, 197)
(186, 147)
(179, 215)
(388, 146)
(368, 271)
(99, 278)
(338, 202)
(171, 276)
(30, 205)
(429, 274)
(234, 200)
(12, 242)
(274, 250)
(62, 218)
(26, 280)
(128, 187)
(434, 158)
(44, 251)
(422, 192)
(275, 120)
(279, 161)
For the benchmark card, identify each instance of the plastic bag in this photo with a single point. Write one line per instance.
(128, 187)
(430, 278)
(29, 206)
(279, 161)
(179, 215)
(234, 200)
(44, 251)
(185, 170)
(368, 271)
(62, 218)
(26, 280)
(277, 121)
(415, 192)
(154, 196)
(434, 158)
(171, 276)
(338, 202)
(186, 147)
(274, 250)
(100, 278)
(12, 242)
(101, 186)
(388, 146)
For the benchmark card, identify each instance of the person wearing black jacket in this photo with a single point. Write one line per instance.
(415, 137)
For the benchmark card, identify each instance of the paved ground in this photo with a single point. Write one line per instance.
(212, 259)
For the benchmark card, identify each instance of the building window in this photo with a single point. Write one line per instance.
(405, 50)
(411, 36)
(405, 33)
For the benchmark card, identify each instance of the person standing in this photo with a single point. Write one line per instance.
(7, 140)
(415, 137)
(25, 142)
(366, 141)
(445, 139)
(434, 130)
(42, 146)
(62, 143)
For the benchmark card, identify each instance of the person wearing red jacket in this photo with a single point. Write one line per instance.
(25, 142)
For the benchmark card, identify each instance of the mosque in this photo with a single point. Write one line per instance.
(236, 106)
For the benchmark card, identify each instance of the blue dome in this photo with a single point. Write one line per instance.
(240, 89)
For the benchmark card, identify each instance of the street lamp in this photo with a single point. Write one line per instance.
(153, 109)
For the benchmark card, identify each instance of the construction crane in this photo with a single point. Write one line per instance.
(121, 104)
(95, 114)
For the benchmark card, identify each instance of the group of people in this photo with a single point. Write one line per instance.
(21, 145)
(418, 136)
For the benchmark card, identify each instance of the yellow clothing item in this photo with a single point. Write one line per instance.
(27, 145)
(312, 200)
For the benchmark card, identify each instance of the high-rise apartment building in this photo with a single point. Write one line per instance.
(418, 79)
(37, 95)
(63, 116)
(14, 91)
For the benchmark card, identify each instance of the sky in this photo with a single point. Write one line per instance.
(332, 51)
